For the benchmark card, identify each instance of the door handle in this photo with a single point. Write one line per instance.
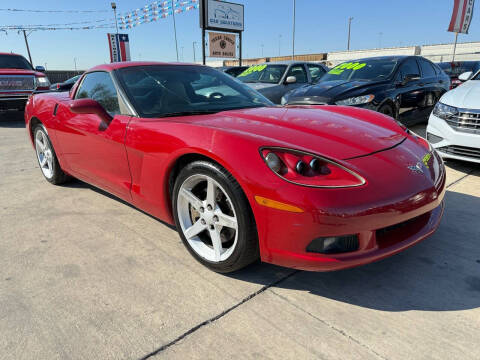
(421, 84)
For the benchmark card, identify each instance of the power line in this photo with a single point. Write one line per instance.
(53, 11)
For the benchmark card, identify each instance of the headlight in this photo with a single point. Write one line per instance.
(42, 81)
(444, 112)
(302, 168)
(364, 99)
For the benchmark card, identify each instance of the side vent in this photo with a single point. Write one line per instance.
(55, 110)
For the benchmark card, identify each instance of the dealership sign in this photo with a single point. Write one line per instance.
(461, 16)
(222, 45)
(119, 47)
(222, 15)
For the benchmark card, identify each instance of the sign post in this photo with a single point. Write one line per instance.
(461, 18)
(221, 16)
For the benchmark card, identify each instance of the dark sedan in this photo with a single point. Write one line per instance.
(66, 85)
(273, 80)
(390, 85)
(455, 68)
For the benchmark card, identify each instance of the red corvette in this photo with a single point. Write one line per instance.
(310, 187)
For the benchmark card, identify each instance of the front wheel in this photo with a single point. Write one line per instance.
(213, 217)
(388, 110)
(47, 159)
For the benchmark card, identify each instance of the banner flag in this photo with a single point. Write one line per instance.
(461, 16)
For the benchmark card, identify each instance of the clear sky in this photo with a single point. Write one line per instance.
(321, 26)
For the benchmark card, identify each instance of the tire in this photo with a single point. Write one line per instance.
(199, 226)
(46, 157)
(388, 110)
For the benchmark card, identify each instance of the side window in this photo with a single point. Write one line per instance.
(316, 72)
(409, 67)
(299, 72)
(427, 69)
(99, 86)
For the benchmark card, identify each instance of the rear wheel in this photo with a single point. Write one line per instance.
(47, 159)
(213, 217)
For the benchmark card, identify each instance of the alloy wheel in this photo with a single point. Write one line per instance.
(207, 218)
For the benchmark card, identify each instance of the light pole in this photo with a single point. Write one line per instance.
(28, 47)
(194, 43)
(293, 31)
(175, 28)
(279, 40)
(262, 49)
(349, 27)
(114, 7)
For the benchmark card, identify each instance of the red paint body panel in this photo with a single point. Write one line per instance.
(133, 157)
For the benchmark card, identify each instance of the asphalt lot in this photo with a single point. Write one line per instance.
(85, 276)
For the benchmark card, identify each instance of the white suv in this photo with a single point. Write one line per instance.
(454, 125)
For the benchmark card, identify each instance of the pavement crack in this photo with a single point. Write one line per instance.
(334, 328)
(218, 316)
(458, 180)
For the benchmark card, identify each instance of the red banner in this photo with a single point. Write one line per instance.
(461, 16)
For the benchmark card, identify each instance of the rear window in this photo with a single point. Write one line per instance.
(14, 62)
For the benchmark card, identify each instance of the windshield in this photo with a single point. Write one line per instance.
(456, 68)
(476, 77)
(263, 74)
(174, 90)
(362, 70)
(14, 62)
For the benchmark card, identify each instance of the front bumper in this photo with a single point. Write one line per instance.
(396, 209)
(454, 144)
(13, 101)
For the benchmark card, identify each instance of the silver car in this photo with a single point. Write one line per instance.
(273, 80)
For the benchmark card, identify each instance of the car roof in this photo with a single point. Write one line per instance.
(14, 54)
(125, 64)
(288, 62)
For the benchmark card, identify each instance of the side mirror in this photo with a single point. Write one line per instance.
(409, 78)
(290, 80)
(90, 106)
(39, 68)
(465, 76)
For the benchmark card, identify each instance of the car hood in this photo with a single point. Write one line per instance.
(337, 132)
(20, 72)
(258, 86)
(331, 89)
(465, 96)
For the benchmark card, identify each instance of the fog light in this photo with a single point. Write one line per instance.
(433, 138)
(334, 244)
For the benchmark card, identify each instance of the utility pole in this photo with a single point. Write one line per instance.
(114, 7)
(293, 32)
(174, 28)
(28, 48)
(194, 43)
(349, 27)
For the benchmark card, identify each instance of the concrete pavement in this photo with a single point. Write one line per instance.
(85, 275)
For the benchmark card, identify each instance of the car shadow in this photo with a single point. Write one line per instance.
(78, 184)
(442, 273)
(11, 119)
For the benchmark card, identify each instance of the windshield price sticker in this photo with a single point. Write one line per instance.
(252, 69)
(337, 70)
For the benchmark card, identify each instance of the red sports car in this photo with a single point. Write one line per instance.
(308, 187)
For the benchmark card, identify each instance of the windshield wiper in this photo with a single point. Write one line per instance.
(192, 112)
